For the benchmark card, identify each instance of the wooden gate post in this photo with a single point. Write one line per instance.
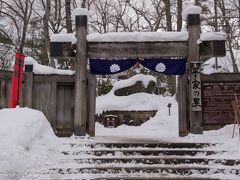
(28, 86)
(195, 104)
(80, 113)
(92, 81)
(183, 108)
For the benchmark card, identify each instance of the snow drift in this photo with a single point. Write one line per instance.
(27, 140)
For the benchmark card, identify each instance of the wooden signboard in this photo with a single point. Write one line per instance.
(196, 90)
(216, 100)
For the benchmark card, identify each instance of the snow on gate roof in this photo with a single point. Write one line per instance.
(124, 37)
(138, 37)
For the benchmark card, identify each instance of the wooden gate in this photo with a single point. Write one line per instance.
(65, 108)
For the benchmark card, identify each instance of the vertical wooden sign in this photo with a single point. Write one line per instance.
(196, 87)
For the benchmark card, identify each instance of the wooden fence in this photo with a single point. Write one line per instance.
(51, 94)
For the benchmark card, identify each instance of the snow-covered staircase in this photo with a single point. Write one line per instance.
(84, 160)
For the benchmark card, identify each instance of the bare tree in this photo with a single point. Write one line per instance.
(228, 31)
(19, 13)
(150, 15)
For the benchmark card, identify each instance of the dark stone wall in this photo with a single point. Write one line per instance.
(136, 88)
(134, 118)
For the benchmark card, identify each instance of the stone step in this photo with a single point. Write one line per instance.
(154, 160)
(129, 177)
(186, 171)
(156, 178)
(135, 176)
(142, 152)
(142, 145)
(186, 161)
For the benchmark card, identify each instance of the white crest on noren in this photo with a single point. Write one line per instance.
(160, 67)
(114, 68)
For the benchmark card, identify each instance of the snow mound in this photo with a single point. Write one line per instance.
(27, 139)
(191, 10)
(136, 102)
(145, 79)
(41, 69)
(133, 102)
(224, 63)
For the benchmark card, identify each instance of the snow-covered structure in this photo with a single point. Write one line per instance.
(130, 108)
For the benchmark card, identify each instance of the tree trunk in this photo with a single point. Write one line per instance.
(179, 15)
(46, 30)
(68, 16)
(27, 10)
(215, 27)
(83, 5)
(168, 15)
(235, 68)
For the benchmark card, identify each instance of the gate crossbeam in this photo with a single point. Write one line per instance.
(207, 49)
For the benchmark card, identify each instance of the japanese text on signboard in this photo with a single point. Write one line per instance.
(196, 89)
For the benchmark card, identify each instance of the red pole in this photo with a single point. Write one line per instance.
(17, 80)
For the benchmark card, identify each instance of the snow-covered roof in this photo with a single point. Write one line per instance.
(213, 36)
(110, 115)
(124, 37)
(41, 69)
(67, 37)
(133, 102)
(191, 10)
(138, 37)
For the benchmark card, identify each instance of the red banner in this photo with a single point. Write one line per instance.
(17, 80)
